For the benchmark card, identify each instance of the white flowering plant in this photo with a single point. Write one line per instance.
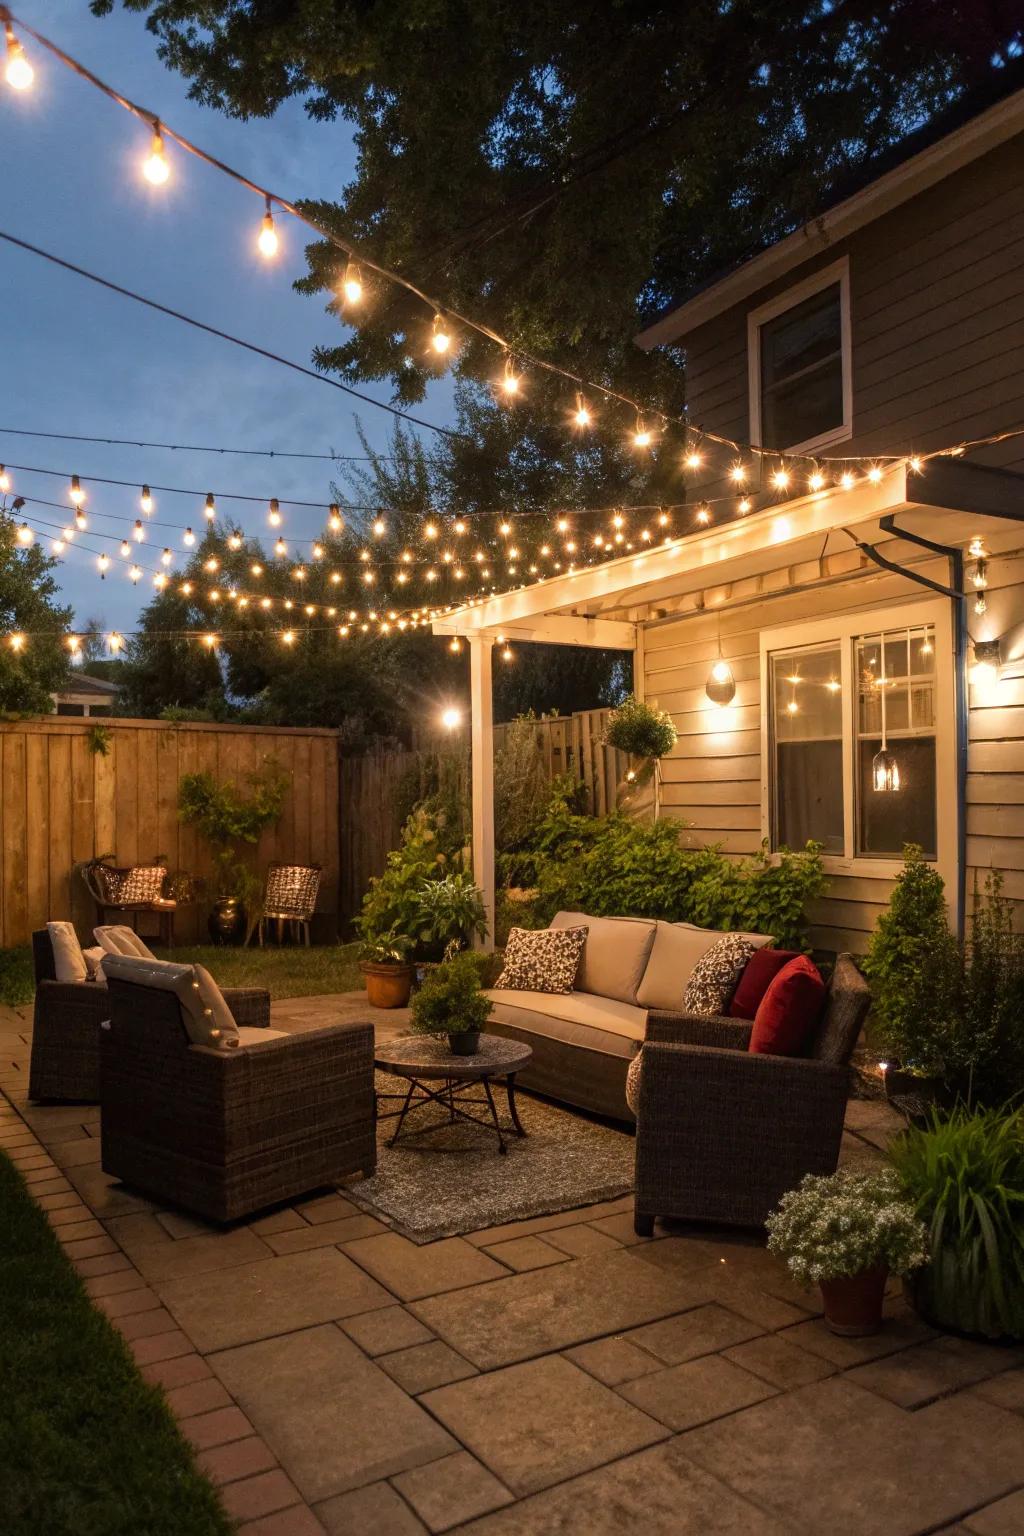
(844, 1224)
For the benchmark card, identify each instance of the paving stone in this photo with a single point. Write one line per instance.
(388, 1329)
(621, 1228)
(298, 1521)
(217, 1427)
(557, 1221)
(277, 1221)
(782, 1364)
(327, 1208)
(69, 1215)
(376, 1510)
(142, 1325)
(176, 1372)
(413, 1270)
(927, 1371)
(125, 1303)
(161, 1346)
(105, 1196)
(59, 1201)
(1004, 1518)
(658, 1492)
(197, 1397)
(138, 1230)
(178, 1225)
(71, 1154)
(425, 1366)
(214, 1254)
(242, 1458)
(89, 1247)
(700, 1331)
(582, 1242)
(537, 1423)
(522, 1253)
(613, 1361)
(447, 1492)
(736, 1262)
(256, 1300)
(106, 1264)
(833, 1457)
(323, 1234)
(336, 1420)
(1006, 1391)
(47, 1186)
(264, 1494)
(897, 1332)
(113, 1285)
(691, 1394)
(551, 1309)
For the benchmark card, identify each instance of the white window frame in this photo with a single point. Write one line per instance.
(838, 272)
(845, 629)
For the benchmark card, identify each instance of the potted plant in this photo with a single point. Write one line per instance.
(451, 1002)
(646, 734)
(385, 965)
(233, 822)
(450, 912)
(964, 1173)
(847, 1233)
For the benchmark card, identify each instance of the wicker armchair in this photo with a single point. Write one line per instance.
(65, 1060)
(224, 1133)
(129, 893)
(722, 1134)
(290, 897)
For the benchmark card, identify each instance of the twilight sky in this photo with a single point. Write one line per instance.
(78, 359)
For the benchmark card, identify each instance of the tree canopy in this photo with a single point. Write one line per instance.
(33, 670)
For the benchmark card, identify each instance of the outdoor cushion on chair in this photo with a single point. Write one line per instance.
(614, 955)
(544, 961)
(761, 970)
(789, 1010)
(206, 1016)
(68, 960)
(119, 939)
(677, 949)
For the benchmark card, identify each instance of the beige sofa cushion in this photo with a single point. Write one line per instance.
(206, 1016)
(614, 956)
(677, 948)
(119, 939)
(68, 960)
(577, 1018)
(250, 1036)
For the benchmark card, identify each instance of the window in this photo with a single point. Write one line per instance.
(800, 373)
(838, 691)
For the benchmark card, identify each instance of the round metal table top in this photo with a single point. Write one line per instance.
(425, 1056)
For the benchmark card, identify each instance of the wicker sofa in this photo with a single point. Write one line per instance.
(224, 1133)
(723, 1133)
(65, 1060)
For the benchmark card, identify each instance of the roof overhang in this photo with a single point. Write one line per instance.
(602, 605)
(983, 133)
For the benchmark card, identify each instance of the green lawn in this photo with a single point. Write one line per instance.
(17, 984)
(87, 1447)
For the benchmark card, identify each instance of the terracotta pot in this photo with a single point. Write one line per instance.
(227, 921)
(464, 1042)
(853, 1303)
(387, 986)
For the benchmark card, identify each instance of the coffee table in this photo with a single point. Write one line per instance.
(436, 1076)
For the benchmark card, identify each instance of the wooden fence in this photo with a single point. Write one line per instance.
(64, 802)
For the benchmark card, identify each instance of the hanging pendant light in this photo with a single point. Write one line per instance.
(885, 770)
(721, 685)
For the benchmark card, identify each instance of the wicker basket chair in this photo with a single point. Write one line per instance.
(290, 897)
(129, 892)
(224, 1133)
(721, 1133)
(65, 1060)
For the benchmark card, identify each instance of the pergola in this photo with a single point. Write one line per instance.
(900, 522)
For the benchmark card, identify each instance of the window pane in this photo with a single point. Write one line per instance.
(890, 818)
(902, 679)
(801, 371)
(808, 748)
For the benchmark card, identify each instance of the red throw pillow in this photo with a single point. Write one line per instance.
(762, 968)
(789, 1010)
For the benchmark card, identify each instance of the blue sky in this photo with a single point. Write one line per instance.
(78, 359)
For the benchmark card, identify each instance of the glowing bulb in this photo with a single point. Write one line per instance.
(17, 642)
(267, 240)
(57, 546)
(280, 548)
(693, 459)
(189, 537)
(846, 481)
(979, 575)
(780, 479)
(792, 708)
(976, 549)
(274, 515)
(146, 500)
(76, 494)
(704, 515)
(135, 573)
(115, 642)
(103, 562)
(581, 415)
(833, 685)
(459, 526)
(507, 654)
(125, 549)
(335, 521)
(440, 339)
(380, 527)
(317, 551)
(816, 480)
(210, 641)
(721, 685)
(81, 521)
(5, 479)
(915, 463)
(642, 435)
(510, 380)
(874, 474)
(74, 644)
(211, 564)
(234, 541)
(19, 72)
(155, 169)
(138, 532)
(288, 637)
(505, 529)
(745, 504)
(352, 284)
(166, 558)
(455, 645)
(210, 507)
(25, 535)
(160, 580)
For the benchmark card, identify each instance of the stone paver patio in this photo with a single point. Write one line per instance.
(551, 1376)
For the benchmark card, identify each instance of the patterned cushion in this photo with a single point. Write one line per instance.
(546, 961)
(633, 1080)
(716, 975)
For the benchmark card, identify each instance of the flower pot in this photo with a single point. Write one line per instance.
(853, 1303)
(226, 922)
(464, 1042)
(387, 986)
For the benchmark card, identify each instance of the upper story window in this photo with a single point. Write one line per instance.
(799, 364)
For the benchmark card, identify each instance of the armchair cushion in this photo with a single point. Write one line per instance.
(93, 958)
(676, 950)
(544, 961)
(206, 1016)
(761, 970)
(68, 960)
(716, 975)
(615, 953)
(119, 939)
(789, 1010)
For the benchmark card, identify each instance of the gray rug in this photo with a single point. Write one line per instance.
(454, 1179)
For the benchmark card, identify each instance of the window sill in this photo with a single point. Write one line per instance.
(841, 434)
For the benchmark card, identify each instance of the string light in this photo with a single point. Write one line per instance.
(816, 480)
(146, 500)
(138, 532)
(17, 642)
(693, 459)
(166, 558)
(156, 169)
(103, 563)
(846, 481)
(874, 475)
(189, 538)
(581, 417)
(5, 479)
(81, 521)
(738, 473)
(335, 521)
(641, 435)
(274, 514)
(440, 340)
(267, 239)
(352, 284)
(210, 508)
(19, 73)
(76, 494)
(25, 536)
(510, 380)
(380, 528)
(125, 549)
(114, 642)
(780, 479)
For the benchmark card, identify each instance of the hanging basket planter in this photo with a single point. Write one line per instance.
(645, 734)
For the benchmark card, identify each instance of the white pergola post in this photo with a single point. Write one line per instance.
(481, 648)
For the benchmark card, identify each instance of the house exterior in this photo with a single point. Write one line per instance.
(885, 609)
(85, 695)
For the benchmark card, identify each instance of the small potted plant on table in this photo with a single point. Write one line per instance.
(847, 1233)
(451, 1002)
(384, 962)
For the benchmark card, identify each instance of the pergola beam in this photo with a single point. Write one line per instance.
(548, 629)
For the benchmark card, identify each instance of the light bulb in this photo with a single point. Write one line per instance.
(721, 685)
(915, 463)
(459, 526)
(352, 284)
(979, 575)
(210, 508)
(737, 474)
(189, 538)
(745, 504)
(160, 580)
(138, 532)
(641, 436)
(256, 570)
(5, 479)
(455, 645)
(507, 654)
(846, 480)
(166, 558)
(274, 515)
(440, 340)
(816, 480)
(703, 515)
(780, 479)
(581, 416)
(81, 521)
(19, 72)
(146, 500)
(25, 535)
(317, 552)
(17, 642)
(505, 529)
(114, 642)
(380, 527)
(74, 644)
(451, 718)
(135, 573)
(267, 239)
(693, 459)
(126, 549)
(510, 380)
(234, 541)
(103, 562)
(76, 494)
(335, 521)
(874, 474)
(57, 546)
(976, 549)
(155, 169)
(280, 548)
(210, 641)
(288, 637)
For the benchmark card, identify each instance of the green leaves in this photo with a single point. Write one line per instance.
(844, 1224)
(640, 730)
(223, 814)
(450, 999)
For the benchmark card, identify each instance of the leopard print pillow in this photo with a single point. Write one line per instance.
(716, 975)
(636, 1066)
(542, 961)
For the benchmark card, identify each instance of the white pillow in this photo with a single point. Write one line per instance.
(68, 960)
(205, 1014)
(94, 963)
(119, 939)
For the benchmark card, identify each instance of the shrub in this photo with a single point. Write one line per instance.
(450, 1000)
(392, 903)
(521, 787)
(844, 1224)
(640, 730)
(450, 913)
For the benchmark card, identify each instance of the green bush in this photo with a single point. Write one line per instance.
(396, 901)
(451, 913)
(640, 730)
(450, 1000)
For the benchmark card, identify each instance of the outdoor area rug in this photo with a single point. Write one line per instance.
(454, 1180)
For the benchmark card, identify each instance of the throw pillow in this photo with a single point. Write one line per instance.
(68, 960)
(633, 1080)
(761, 970)
(94, 963)
(543, 961)
(197, 1014)
(119, 939)
(714, 978)
(215, 1007)
(789, 1010)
